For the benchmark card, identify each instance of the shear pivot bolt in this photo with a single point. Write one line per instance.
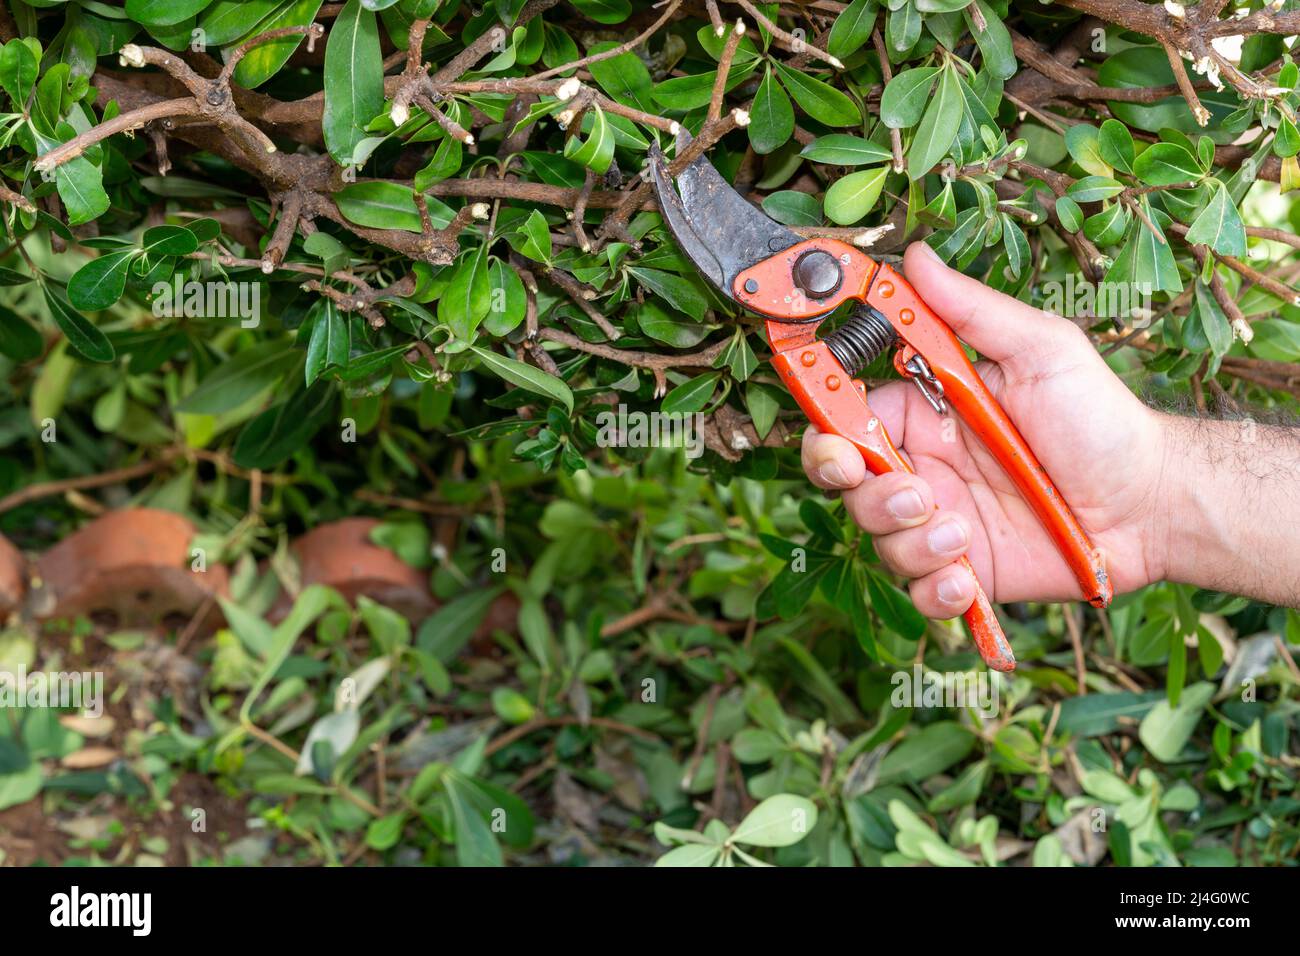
(751, 286)
(886, 289)
(832, 382)
(817, 273)
(906, 316)
(808, 358)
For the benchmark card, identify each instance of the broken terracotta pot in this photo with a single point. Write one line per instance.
(341, 555)
(13, 578)
(130, 567)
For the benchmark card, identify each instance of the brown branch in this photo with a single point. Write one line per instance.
(45, 489)
(792, 42)
(887, 73)
(622, 48)
(122, 123)
(1184, 82)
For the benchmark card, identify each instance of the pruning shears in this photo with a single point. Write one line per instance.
(796, 283)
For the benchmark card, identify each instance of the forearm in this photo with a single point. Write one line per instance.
(1229, 500)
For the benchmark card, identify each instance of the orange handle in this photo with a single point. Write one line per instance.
(838, 406)
(924, 333)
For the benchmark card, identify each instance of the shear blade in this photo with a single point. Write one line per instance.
(717, 228)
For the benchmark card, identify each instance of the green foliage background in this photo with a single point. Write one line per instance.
(664, 670)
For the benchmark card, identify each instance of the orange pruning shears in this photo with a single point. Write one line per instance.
(795, 284)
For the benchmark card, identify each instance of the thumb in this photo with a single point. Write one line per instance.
(991, 322)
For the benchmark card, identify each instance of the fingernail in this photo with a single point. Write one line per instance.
(951, 590)
(832, 474)
(947, 537)
(929, 252)
(905, 504)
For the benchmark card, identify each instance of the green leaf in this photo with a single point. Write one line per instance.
(19, 340)
(163, 13)
(937, 132)
(1094, 189)
(604, 11)
(924, 754)
(354, 80)
(1153, 259)
(994, 40)
(819, 100)
(468, 297)
(791, 207)
(240, 378)
(597, 151)
(19, 68)
(852, 29)
(537, 237)
(678, 292)
(475, 844)
(380, 205)
(1115, 145)
(1084, 144)
(450, 628)
(903, 102)
(509, 301)
(691, 396)
(941, 211)
(843, 149)
(625, 78)
(445, 163)
(782, 820)
(895, 608)
(762, 405)
(1219, 224)
(526, 376)
(852, 197)
(266, 59)
(1287, 141)
(1165, 730)
(903, 28)
(100, 282)
(694, 854)
(82, 335)
(1017, 246)
(771, 117)
(169, 241)
(1098, 714)
(81, 187)
(1108, 226)
(330, 341)
(383, 834)
(1214, 323)
(1166, 164)
(1068, 211)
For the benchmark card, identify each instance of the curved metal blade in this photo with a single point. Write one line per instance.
(717, 228)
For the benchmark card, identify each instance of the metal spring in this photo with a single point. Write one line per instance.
(864, 335)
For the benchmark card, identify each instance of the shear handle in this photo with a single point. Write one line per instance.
(838, 406)
(925, 334)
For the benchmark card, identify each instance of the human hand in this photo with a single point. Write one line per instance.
(1104, 449)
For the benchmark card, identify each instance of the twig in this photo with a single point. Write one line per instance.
(1185, 84)
(887, 73)
(793, 42)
